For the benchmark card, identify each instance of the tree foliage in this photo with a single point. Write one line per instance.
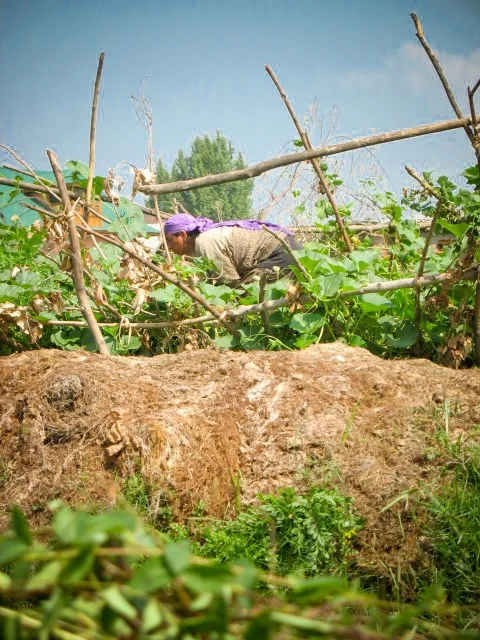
(221, 202)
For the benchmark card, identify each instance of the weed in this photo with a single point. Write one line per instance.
(288, 532)
(454, 525)
(4, 473)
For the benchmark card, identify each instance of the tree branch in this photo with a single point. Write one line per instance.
(261, 298)
(307, 144)
(77, 267)
(293, 158)
(451, 98)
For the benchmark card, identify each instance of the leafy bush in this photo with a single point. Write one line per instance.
(81, 579)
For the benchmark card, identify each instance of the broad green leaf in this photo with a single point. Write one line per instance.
(459, 229)
(305, 340)
(310, 259)
(151, 576)
(374, 302)
(20, 526)
(332, 283)
(307, 322)
(11, 550)
(46, 577)
(405, 337)
(364, 259)
(27, 278)
(78, 167)
(9, 292)
(118, 603)
(226, 341)
(64, 525)
(177, 556)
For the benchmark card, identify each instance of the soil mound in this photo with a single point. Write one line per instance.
(202, 425)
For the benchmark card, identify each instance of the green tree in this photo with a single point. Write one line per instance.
(208, 155)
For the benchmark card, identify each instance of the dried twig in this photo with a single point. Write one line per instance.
(293, 158)
(136, 325)
(289, 250)
(77, 267)
(93, 130)
(307, 144)
(434, 60)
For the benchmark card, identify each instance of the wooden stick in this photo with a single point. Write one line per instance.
(77, 267)
(93, 130)
(451, 98)
(307, 144)
(135, 325)
(162, 232)
(289, 250)
(476, 319)
(270, 305)
(293, 158)
(261, 298)
(471, 94)
(75, 193)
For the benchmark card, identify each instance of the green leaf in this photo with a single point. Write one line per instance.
(364, 259)
(46, 577)
(78, 567)
(78, 167)
(207, 578)
(152, 616)
(20, 526)
(177, 556)
(118, 603)
(332, 283)
(297, 143)
(11, 550)
(372, 302)
(459, 229)
(5, 581)
(307, 322)
(64, 525)
(9, 292)
(405, 337)
(151, 576)
(318, 589)
(27, 278)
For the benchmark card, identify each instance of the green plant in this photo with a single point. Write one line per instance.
(104, 577)
(312, 533)
(453, 527)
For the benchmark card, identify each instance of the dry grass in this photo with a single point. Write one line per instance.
(74, 424)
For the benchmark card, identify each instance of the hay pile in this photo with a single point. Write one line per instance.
(74, 424)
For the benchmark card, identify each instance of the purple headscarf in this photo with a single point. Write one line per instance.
(187, 222)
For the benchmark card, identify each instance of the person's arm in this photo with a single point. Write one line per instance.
(212, 247)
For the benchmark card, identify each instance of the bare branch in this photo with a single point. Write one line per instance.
(307, 144)
(77, 267)
(293, 158)
(458, 112)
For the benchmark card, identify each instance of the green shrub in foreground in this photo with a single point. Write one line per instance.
(82, 581)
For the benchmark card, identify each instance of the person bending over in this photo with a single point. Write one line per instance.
(238, 247)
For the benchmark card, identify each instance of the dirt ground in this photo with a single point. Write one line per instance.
(74, 425)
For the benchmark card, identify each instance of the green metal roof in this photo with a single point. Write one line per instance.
(11, 203)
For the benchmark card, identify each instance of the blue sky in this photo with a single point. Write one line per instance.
(203, 61)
